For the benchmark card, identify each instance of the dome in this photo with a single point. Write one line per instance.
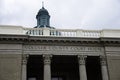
(42, 11)
(43, 18)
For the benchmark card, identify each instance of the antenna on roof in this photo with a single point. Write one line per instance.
(42, 4)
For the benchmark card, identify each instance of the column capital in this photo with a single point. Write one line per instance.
(47, 58)
(82, 59)
(24, 59)
(103, 60)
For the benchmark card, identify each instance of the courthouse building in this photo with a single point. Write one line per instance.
(47, 53)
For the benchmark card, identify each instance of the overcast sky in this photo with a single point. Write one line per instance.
(75, 14)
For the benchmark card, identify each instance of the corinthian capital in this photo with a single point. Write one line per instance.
(81, 59)
(24, 59)
(47, 58)
(103, 60)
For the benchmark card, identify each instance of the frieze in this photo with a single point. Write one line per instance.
(61, 48)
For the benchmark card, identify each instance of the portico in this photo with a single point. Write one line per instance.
(62, 67)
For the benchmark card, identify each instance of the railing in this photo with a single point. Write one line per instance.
(62, 32)
(34, 31)
(59, 32)
(91, 33)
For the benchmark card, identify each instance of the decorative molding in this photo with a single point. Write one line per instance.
(103, 60)
(47, 59)
(24, 59)
(81, 59)
(112, 48)
(61, 48)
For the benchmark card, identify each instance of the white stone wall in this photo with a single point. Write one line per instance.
(5, 29)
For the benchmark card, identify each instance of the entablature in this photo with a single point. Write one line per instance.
(26, 39)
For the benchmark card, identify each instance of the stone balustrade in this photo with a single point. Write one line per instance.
(19, 30)
(72, 32)
(62, 32)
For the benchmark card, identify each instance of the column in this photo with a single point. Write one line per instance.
(24, 67)
(82, 67)
(104, 68)
(47, 66)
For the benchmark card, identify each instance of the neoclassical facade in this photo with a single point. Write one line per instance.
(46, 53)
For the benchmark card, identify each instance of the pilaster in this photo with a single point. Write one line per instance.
(104, 68)
(24, 66)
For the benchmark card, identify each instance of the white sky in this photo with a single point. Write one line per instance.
(75, 14)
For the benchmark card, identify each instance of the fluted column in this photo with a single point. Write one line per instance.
(24, 66)
(47, 66)
(82, 67)
(104, 68)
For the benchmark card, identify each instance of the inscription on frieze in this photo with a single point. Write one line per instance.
(63, 48)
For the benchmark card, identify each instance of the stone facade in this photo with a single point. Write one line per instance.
(46, 53)
(16, 49)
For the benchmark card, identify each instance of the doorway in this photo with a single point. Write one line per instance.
(65, 67)
(93, 68)
(35, 67)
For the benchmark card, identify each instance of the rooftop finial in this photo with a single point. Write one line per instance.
(42, 4)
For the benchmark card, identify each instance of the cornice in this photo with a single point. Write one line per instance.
(110, 39)
(7, 38)
(49, 38)
(13, 36)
